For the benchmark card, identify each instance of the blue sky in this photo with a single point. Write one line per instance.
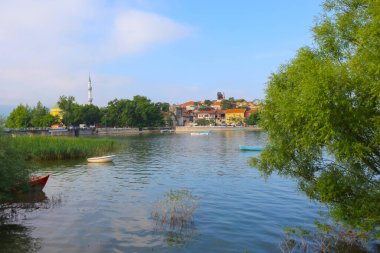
(168, 50)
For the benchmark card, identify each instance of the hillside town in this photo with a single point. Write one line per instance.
(219, 112)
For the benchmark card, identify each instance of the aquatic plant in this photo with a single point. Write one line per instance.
(176, 209)
(56, 148)
(174, 215)
(324, 238)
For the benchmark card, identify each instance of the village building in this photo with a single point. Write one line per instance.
(190, 106)
(217, 104)
(220, 116)
(235, 116)
(207, 115)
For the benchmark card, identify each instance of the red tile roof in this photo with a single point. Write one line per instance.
(190, 103)
(235, 110)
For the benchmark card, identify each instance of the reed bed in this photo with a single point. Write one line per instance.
(58, 148)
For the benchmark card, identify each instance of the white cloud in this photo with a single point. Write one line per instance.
(135, 30)
(48, 47)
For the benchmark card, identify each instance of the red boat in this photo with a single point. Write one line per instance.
(38, 182)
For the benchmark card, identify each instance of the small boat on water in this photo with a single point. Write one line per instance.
(38, 183)
(200, 133)
(101, 159)
(251, 148)
(163, 131)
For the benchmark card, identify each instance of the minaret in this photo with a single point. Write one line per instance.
(89, 90)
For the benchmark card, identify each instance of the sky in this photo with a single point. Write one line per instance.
(167, 50)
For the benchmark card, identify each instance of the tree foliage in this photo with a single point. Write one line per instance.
(322, 114)
(253, 119)
(114, 114)
(68, 105)
(86, 114)
(164, 107)
(141, 112)
(226, 104)
(207, 102)
(40, 116)
(138, 112)
(19, 117)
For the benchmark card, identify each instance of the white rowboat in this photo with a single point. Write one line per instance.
(199, 134)
(100, 159)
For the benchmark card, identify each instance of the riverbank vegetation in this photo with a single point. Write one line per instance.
(322, 116)
(139, 112)
(13, 168)
(56, 148)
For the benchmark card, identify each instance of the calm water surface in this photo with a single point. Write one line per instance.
(107, 207)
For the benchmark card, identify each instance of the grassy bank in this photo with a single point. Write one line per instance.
(50, 148)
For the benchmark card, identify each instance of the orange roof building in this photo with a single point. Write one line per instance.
(235, 116)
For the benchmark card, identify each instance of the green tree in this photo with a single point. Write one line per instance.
(115, 113)
(68, 105)
(207, 102)
(253, 119)
(40, 116)
(86, 114)
(226, 104)
(19, 118)
(141, 112)
(204, 122)
(322, 115)
(164, 107)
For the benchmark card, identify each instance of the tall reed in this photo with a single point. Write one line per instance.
(57, 148)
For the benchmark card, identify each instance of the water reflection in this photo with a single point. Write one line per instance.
(18, 238)
(27, 202)
(58, 165)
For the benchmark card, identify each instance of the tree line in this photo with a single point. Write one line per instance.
(138, 112)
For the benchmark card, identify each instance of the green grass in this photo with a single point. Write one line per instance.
(57, 148)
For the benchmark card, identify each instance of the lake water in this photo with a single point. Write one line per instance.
(108, 207)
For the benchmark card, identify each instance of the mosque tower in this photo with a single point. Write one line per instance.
(89, 90)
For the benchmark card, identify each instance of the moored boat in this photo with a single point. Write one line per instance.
(251, 148)
(38, 182)
(163, 131)
(101, 159)
(200, 133)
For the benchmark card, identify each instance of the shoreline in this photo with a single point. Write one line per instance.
(128, 131)
(186, 129)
